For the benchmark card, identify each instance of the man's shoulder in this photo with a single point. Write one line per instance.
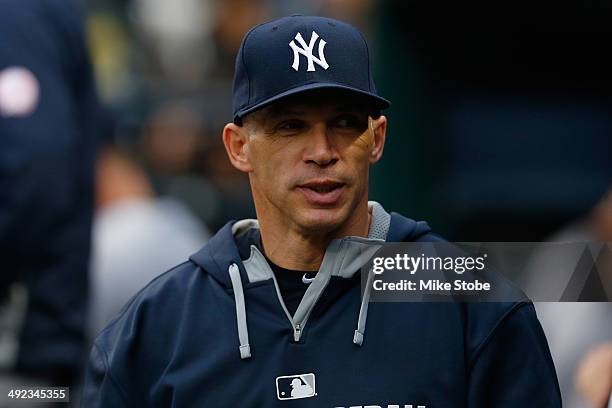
(174, 279)
(160, 298)
(483, 318)
(405, 229)
(187, 285)
(146, 332)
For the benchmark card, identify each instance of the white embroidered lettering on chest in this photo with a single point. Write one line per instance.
(306, 50)
(289, 387)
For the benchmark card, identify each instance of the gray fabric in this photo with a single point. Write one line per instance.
(243, 331)
(379, 225)
(242, 226)
(257, 260)
(363, 312)
(353, 254)
(343, 257)
(256, 266)
(318, 285)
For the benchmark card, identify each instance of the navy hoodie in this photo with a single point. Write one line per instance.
(214, 332)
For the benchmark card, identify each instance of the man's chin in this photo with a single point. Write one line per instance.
(322, 220)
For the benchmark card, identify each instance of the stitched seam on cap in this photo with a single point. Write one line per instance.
(246, 39)
(246, 69)
(370, 79)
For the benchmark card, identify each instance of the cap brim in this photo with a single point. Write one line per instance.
(381, 103)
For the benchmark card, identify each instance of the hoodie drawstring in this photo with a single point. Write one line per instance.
(363, 311)
(243, 331)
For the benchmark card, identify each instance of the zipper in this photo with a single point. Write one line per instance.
(298, 327)
(297, 332)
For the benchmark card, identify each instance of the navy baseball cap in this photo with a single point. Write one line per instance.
(297, 54)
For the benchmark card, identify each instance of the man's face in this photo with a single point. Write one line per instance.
(308, 159)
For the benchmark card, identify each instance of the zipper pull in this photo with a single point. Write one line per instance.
(297, 332)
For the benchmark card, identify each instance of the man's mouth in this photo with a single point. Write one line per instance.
(322, 192)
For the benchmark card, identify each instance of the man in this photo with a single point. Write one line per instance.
(273, 300)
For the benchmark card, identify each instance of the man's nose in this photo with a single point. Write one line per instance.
(320, 148)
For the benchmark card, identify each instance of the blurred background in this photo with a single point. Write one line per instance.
(500, 130)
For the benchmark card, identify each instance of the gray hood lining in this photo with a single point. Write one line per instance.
(343, 258)
(354, 253)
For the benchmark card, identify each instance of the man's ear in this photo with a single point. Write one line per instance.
(236, 142)
(378, 127)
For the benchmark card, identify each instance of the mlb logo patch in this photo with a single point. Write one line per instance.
(297, 386)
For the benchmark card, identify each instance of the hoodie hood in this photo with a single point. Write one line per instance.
(343, 258)
(221, 251)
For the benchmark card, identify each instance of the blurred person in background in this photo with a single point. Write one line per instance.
(576, 329)
(233, 18)
(136, 235)
(50, 123)
(172, 146)
(172, 83)
(175, 38)
(172, 138)
(594, 376)
(185, 161)
(190, 43)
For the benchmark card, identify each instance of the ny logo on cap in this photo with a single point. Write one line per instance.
(306, 50)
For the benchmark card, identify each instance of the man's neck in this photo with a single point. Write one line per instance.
(296, 250)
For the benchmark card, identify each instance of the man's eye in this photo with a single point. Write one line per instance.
(350, 122)
(344, 122)
(289, 126)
